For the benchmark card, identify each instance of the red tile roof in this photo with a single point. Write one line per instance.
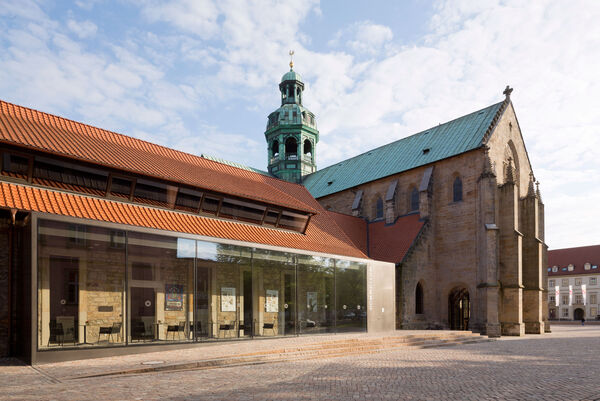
(354, 227)
(390, 243)
(578, 257)
(386, 242)
(45, 132)
(322, 234)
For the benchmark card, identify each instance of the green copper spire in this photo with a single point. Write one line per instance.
(291, 133)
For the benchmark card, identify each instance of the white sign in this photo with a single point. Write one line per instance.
(583, 292)
(227, 299)
(557, 294)
(570, 295)
(272, 301)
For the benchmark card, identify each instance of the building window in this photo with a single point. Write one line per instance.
(414, 200)
(552, 299)
(594, 312)
(564, 313)
(457, 191)
(554, 269)
(587, 266)
(307, 148)
(577, 281)
(419, 299)
(565, 300)
(570, 267)
(550, 283)
(593, 299)
(291, 149)
(579, 299)
(275, 148)
(592, 280)
(565, 282)
(379, 208)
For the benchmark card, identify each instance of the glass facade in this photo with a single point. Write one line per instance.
(99, 286)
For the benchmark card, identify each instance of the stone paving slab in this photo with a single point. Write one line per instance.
(563, 365)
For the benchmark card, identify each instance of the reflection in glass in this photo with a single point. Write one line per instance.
(81, 273)
(274, 276)
(316, 310)
(350, 287)
(160, 274)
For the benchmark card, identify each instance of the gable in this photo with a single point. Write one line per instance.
(445, 140)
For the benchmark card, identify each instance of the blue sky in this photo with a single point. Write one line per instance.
(201, 76)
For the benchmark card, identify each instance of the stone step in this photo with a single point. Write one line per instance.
(327, 349)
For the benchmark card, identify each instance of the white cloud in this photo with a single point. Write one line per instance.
(83, 29)
(195, 16)
(363, 37)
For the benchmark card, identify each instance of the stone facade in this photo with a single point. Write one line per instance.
(489, 242)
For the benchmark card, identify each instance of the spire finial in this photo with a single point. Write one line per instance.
(488, 169)
(507, 92)
(530, 188)
(537, 191)
(291, 53)
(510, 177)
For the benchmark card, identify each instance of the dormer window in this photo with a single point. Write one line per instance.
(554, 269)
(570, 267)
(587, 266)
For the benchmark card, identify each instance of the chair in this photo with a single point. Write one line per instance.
(180, 328)
(226, 326)
(57, 334)
(270, 326)
(109, 331)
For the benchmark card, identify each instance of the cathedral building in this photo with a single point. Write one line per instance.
(456, 208)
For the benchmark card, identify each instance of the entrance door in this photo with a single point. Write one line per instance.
(248, 315)
(459, 309)
(143, 314)
(289, 299)
(578, 314)
(64, 299)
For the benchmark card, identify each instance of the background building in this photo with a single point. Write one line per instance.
(574, 267)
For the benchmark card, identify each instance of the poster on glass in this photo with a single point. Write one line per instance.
(227, 299)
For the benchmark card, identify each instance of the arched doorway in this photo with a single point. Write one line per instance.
(459, 309)
(578, 314)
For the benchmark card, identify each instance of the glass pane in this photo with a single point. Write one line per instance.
(274, 276)
(81, 276)
(120, 187)
(69, 176)
(316, 311)
(239, 210)
(210, 204)
(15, 166)
(292, 221)
(150, 192)
(160, 271)
(350, 287)
(188, 200)
(271, 217)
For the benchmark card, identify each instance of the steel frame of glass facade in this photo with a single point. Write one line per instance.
(107, 285)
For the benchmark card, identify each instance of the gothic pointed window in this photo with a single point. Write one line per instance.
(419, 299)
(291, 149)
(457, 191)
(379, 208)
(414, 200)
(275, 148)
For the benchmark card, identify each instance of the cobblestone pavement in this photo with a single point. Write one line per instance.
(562, 365)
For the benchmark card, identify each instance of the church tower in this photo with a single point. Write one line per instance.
(291, 133)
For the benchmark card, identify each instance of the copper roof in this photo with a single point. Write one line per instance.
(48, 133)
(577, 257)
(322, 234)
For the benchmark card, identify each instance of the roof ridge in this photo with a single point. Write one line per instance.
(422, 132)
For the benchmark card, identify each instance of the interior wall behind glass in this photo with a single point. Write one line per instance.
(274, 278)
(351, 291)
(316, 299)
(160, 287)
(81, 276)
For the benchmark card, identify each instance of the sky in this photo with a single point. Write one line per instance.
(202, 76)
